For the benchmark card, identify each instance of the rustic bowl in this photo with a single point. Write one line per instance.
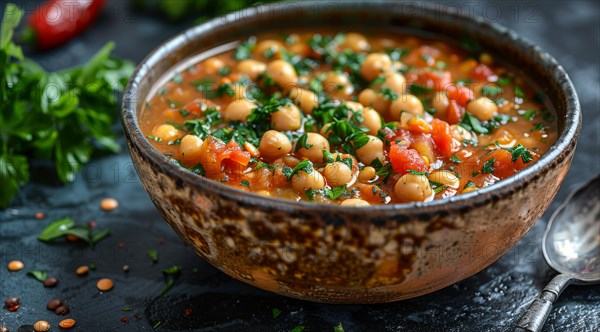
(351, 255)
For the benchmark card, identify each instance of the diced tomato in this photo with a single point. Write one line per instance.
(418, 125)
(397, 135)
(503, 164)
(438, 81)
(404, 159)
(444, 145)
(482, 72)
(461, 94)
(193, 107)
(454, 113)
(234, 152)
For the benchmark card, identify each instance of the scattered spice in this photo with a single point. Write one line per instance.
(91, 224)
(92, 266)
(65, 227)
(104, 284)
(67, 323)
(109, 204)
(276, 312)
(12, 303)
(62, 310)
(126, 268)
(41, 326)
(124, 319)
(82, 270)
(137, 316)
(121, 245)
(188, 312)
(53, 304)
(153, 254)
(15, 266)
(40, 215)
(126, 308)
(161, 241)
(50, 282)
(39, 275)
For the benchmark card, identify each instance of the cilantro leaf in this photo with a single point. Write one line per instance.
(488, 166)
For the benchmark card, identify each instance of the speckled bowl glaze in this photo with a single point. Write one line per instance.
(339, 254)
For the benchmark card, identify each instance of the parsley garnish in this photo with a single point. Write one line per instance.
(305, 165)
(301, 143)
(469, 184)
(335, 192)
(39, 275)
(411, 171)
(470, 122)
(184, 112)
(417, 89)
(491, 90)
(198, 169)
(488, 166)
(527, 114)
(519, 93)
(388, 93)
(225, 70)
(455, 159)
(519, 151)
(244, 50)
(245, 183)
(153, 254)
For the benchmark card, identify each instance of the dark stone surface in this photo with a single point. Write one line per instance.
(491, 300)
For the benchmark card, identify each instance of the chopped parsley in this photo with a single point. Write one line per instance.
(302, 143)
(198, 169)
(491, 90)
(469, 184)
(527, 114)
(519, 93)
(471, 123)
(519, 151)
(488, 167)
(455, 159)
(244, 50)
(245, 183)
(305, 166)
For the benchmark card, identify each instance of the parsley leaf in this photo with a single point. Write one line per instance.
(519, 151)
(305, 165)
(470, 122)
(455, 159)
(488, 166)
(491, 90)
(301, 143)
(244, 50)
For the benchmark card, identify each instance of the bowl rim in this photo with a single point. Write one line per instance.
(500, 189)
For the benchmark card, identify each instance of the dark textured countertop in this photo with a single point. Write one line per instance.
(491, 300)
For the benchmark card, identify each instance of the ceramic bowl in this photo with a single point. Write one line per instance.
(337, 254)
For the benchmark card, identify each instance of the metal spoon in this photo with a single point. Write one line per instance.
(571, 246)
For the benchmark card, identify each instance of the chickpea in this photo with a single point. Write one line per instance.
(440, 103)
(367, 174)
(166, 132)
(238, 110)
(356, 42)
(408, 103)
(286, 118)
(189, 148)
(213, 65)
(395, 82)
(274, 145)
(371, 120)
(303, 181)
(337, 85)
(282, 73)
(251, 68)
(444, 177)
(413, 188)
(337, 174)
(483, 108)
(355, 202)
(374, 65)
(301, 49)
(371, 151)
(368, 97)
(315, 152)
(306, 99)
(354, 105)
(267, 46)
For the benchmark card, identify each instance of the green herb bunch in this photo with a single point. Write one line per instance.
(60, 116)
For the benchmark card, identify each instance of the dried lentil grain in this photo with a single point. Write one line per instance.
(12, 303)
(62, 310)
(53, 304)
(15, 266)
(109, 204)
(67, 323)
(104, 284)
(50, 282)
(82, 270)
(41, 326)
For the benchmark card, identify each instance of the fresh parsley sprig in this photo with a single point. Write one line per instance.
(61, 116)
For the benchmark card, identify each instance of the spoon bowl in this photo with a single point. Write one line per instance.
(571, 246)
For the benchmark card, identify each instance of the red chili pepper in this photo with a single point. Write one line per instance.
(58, 21)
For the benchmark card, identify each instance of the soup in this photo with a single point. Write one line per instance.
(350, 118)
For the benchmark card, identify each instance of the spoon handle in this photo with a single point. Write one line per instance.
(535, 315)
